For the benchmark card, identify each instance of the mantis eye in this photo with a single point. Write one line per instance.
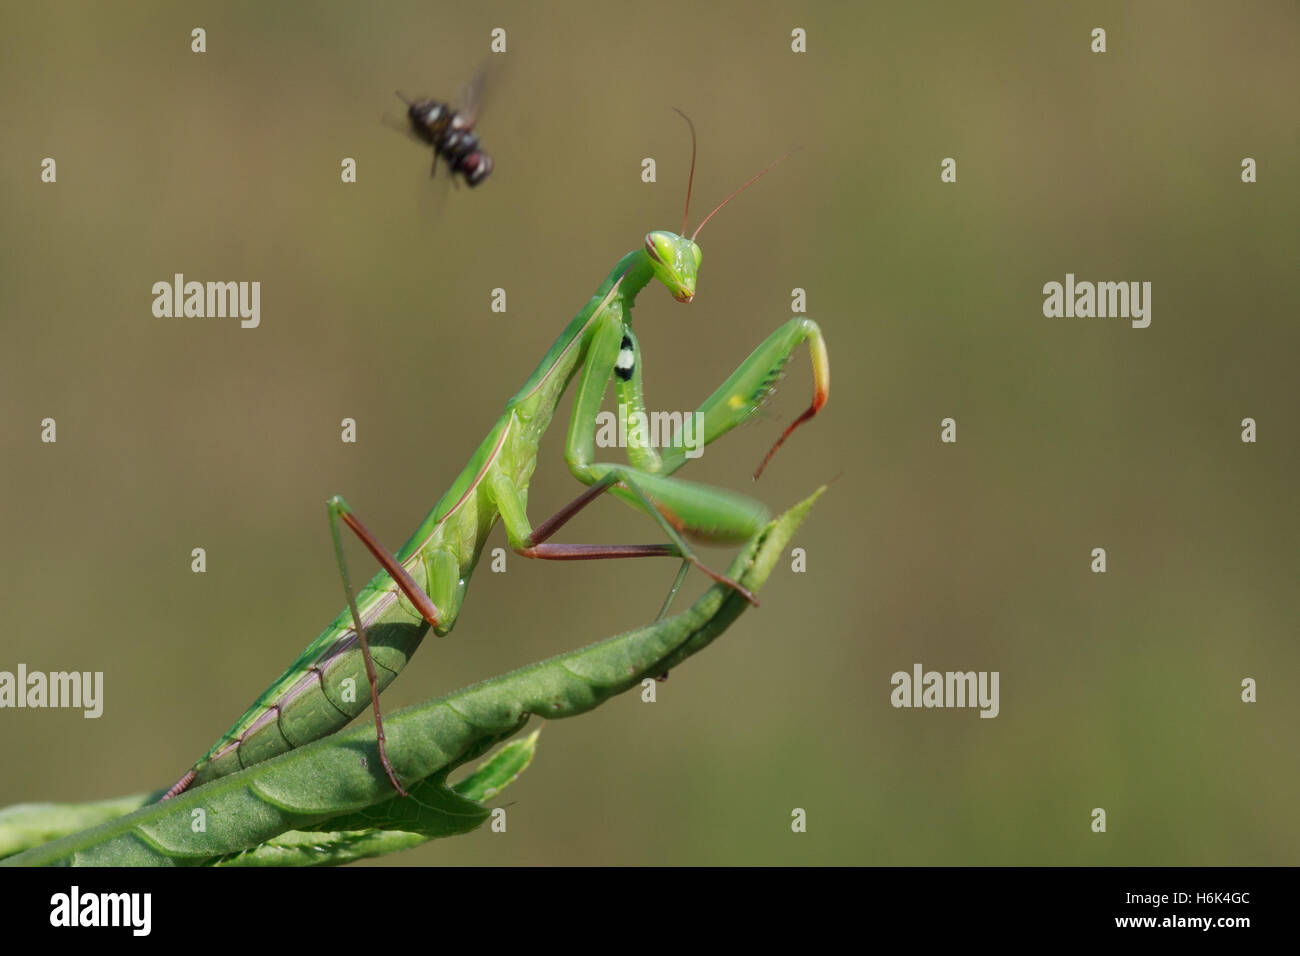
(650, 249)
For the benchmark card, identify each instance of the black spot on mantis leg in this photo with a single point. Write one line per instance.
(626, 362)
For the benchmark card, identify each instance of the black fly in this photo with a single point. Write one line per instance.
(450, 132)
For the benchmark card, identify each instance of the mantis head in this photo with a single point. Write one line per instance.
(675, 261)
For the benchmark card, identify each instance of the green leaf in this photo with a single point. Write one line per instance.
(25, 825)
(502, 769)
(400, 823)
(340, 807)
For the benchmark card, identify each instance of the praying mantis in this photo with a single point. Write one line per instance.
(423, 585)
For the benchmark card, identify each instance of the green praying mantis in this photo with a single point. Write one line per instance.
(423, 585)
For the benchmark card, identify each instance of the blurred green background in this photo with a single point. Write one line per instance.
(1118, 691)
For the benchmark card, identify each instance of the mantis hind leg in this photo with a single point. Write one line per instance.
(339, 509)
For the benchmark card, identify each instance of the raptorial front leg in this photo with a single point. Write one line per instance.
(683, 508)
(748, 388)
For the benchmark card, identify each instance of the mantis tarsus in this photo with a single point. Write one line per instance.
(424, 584)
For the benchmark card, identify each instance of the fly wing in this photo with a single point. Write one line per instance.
(474, 94)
